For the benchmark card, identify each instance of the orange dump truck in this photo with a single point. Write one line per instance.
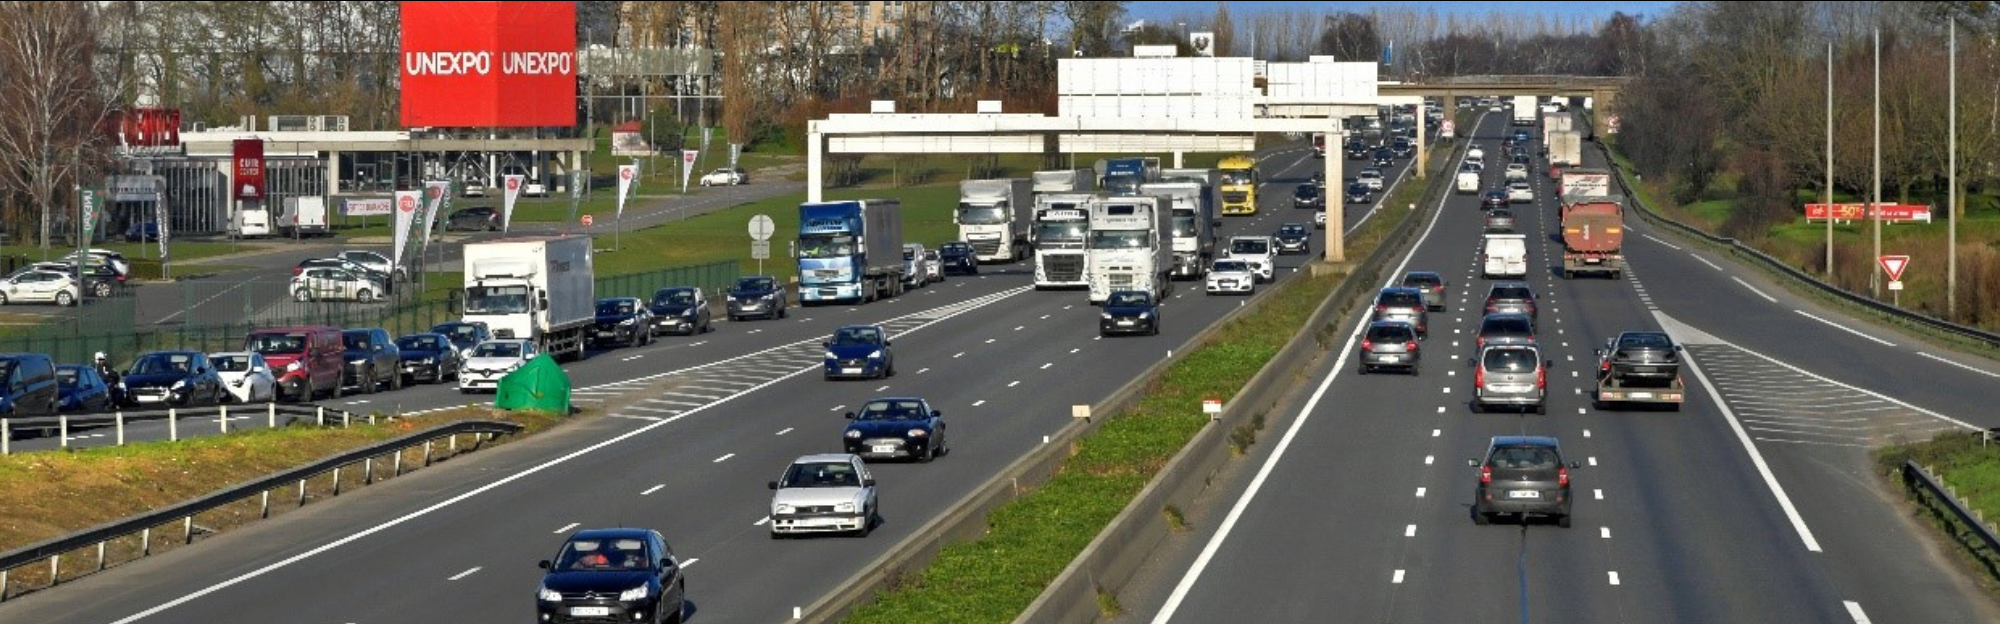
(1593, 234)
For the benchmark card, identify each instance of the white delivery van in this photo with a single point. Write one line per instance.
(1468, 181)
(1506, 256)
(304, 216)
(253, 222)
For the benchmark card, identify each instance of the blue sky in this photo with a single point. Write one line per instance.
(1165, 9)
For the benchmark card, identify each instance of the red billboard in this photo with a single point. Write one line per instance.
(249, 169)
(1858, 212)
(489, 64)
(146, 127)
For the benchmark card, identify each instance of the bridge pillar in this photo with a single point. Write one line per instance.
(815, 165)
(1334, 199)
(1423, 127)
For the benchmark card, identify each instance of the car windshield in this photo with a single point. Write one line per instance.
(1292, 230)
(909, 255)
(1306, 191)
(1495, 195)
(956, 249)
(616, 306)
(1645, 341)
(416, 343)
(1235, 176)
(496, 300)
(891, 410)
(826, 246)
(1512, 292)
(1523, 458)
(982, 214)
(277, 343)
(821, 474)
(604, 554)
(856, 335)
(231, 363)
(497, 350)
(756, 284)
(156, 363)
(1232, 266)
(1249, 247)
(1391, 332)
(1500, 214)
(1061, 231)
(677, 296)
(357, 341)
(1400, 298)
(457, 331)
(1120, 239)
(1422, 280)
(1128, 299)
(1184, 224)
(1511, 360)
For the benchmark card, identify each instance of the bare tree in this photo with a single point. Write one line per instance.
(1351, 37)
(54, 101)
(1225, 31)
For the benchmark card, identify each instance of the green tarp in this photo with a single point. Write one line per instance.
(539, 385)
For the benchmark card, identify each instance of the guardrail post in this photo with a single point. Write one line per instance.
(6, 448)
(271, 415)
(146, 542)
(427, 452)
(187, 530)
(454, 444)
(346, 419)
(62, 428)
(120, 417)
(399, 462)
(368, 471)
(319, 415)
(371, 418)
(264, 505)
(55, 569)
(224, 418)
(100, 556)
(302, 492)
(336, 482)
(3, 585)
(173, 425)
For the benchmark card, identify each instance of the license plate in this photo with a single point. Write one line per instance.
(1125, 322)
(1643, 369)
(850, 371)
(590, 611)
(884, 449)
(1392, 358)
(1642, 395)
(1524, 494)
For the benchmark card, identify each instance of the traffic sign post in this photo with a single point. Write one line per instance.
(761, 228)
(587, 220)
(1212, 407)
(1894, 265)
(760, 251)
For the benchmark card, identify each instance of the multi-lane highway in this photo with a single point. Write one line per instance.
(695, 427)
(1755, 503)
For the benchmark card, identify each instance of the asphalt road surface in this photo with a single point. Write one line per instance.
(704, 422)
(1755, 503)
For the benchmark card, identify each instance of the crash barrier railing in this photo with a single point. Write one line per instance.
(90, 545)
(1787, 270)
(1934, 494)
(1111, 560)
(966, 519)
(13, 430)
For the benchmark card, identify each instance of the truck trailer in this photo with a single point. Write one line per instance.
(1593, 234)
(1525, 110)
(539, 288)
(1583, 182)
(1122, 176)
(994, 217)
(850, 251)
(1064, 181)
(1565, 149)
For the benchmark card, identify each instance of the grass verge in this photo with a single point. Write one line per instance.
(1031, 539)
(1971, 467)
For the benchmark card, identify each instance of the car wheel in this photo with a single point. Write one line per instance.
(1416, 370)
(396, 380)
(1542, 408)
(1562, 521)
(64, 299)
(367, 383)
(1361, 369)
(364, 295)
(102, 290)
(1480, 518)
(1477, 407)
(930, 453)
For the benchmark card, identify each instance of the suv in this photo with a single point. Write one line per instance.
(1257, 251)
(1523, 475)
(757, 295)
(28, 385)
(1404, 304)
(306, 360)
(682, 310)
(1513, 375)
(1513, 298)
(1498, 329)
(1390, 344)
(1433, 285)
(371, 359)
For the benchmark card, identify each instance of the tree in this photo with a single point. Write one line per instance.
(53, 101)
(1225, 30)
(1092, 25)
(1350, 36)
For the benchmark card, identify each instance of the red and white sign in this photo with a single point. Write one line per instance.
(406, 213)
(1857, 212)
(1894, 265)
(368, 207)
(249, 169)
(147, 127)
(1611, 124)
(512, 193)
(627, 176)
(1211, 406)
(489, 64)
(587, 220)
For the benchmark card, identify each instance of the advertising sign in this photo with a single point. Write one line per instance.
(374, 207)
(687, 167)
(147, 127)
(629, 139)
(437, 196)
(627, 174)
(510, 190)
(488, 64)
(249, 169)
(135, 188)
(89, 209)
(406, 213)
(1859, 211)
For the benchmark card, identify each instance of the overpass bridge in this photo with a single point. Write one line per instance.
(1603, 90)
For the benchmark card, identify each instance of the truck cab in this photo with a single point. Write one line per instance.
(850, 251)
(541, 289)
(1128, 246)
(994, 217)
(1239, 185)
(1193, 237)
(1061, 235)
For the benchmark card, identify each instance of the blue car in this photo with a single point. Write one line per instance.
(82, 389)
(623, 320)
(899, 427)
(1129, 312)
(176, 378)
(860, 351)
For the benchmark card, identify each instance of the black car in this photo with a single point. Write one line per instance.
(464, 335)
(1522, 476)
(1308, 196)
(1640, 358)
(1403, 147)
(474, 219)
(1293, 238)
(624, 320)
(958, 258)
(900, 427)
(428, 357)
(1359, 193)
(612, 575)
(176, 378)
(83, 390)
(1495, 198)
(1129, 312)
(1358, 149)
(758, 295)
(371, 360)
(681, 310)
(1385, 157)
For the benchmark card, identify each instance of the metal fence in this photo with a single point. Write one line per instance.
(712, 278)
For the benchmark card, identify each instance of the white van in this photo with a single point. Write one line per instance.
(1468, 182)
(253, 222)
(1506, 256)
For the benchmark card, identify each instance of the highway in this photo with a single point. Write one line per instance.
(1755, 503)
(697, 426)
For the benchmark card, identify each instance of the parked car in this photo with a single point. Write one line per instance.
(36, 286)
(307, 360)
(142, 232)
(464, 335)
(81, 389)
(176, 378)
(100, 280)
(1511, 375)
(829, 493)
(1390, 344)
(535, 188)
(613, 575)
(335, 284)
(904, 427)
(623, 320)
(376, 263)
(372, 360)
(1431, 283)
(346, 265)
(428, 357)
(474, 219)
(681, 310)
(492, 360)
(958, 258)
(473, 188)
(246, 376)
(1129, 312)
(860, 351)
(28, 385)
(1293, 238)
(758, 295)
(115, 260)
(722, 177)
(1524, 476)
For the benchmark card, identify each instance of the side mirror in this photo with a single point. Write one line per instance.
(1576, 464)
(1600, 352)
(1472, 462)
(850, 415)
(667, 562)
(1549, 364)
(937, 413)
(1677, 349)
(544, 564)
(869, 482)
(828, 344)
(887, 343)
(774, 485)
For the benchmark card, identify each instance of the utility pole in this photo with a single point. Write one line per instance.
(1951, 184)
(1875, 208)
(1829, 160)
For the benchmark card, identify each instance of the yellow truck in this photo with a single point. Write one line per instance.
(1239, 184)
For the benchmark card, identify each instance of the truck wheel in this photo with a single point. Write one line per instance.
(1568, 274)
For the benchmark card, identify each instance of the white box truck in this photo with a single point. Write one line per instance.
(1064, 181)
(1565, 148)
(303, 216)
(994, 216)
(540, 288)
(1525, 110)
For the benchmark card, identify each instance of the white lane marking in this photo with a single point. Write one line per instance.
(1410, 531)
(1844, 328)
(1430, 459)
(1586, 432)
(1397, 578)
(1046, 366)
(476, 569)
(921, 371)
(1447, 389)
(1440, 409)
(1420, 492)
(689, 562)
(959, 355)
(1075, 350)
(634, 417)
(1753, 289)
(1437, 432)
(1599, 494)
(1757, 459)
(979, 402)
(1614, 577)
(884, 387)
(632, 358)
(1604, 532)
(1656, 240)
(761, 521)
(785, 430)
(723, 458)
(649, 491)
(1013, 383)
(837, 408)
(1988, 374)
(566, 528)
(1854, 611)
(1593, 460)
(990, 340)
(1018, 329)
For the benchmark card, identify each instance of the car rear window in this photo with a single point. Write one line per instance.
(1510, 360)
(1422, 280)
(1524, 458)
(1645, 341)
(1391, 333)
(1512, 292)
(1505, 324)
(1400, 298)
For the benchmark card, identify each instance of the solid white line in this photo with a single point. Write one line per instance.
(476, 569)
(1398, 578)
(1753, 289)
(649, 491)
(1705, 261)
(1854, 611)
(1757, 459)
(723, 458)
(979, 402)
(1844, 328)
(632, 417)
(1986, 373)
(1657, 240)
(567, 527)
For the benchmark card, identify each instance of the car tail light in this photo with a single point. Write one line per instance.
(1410, 345)
(1367, 345)
(1381, 307)
(1479, 377)
(1541, 378)
(1481, 342)
(1492, 307)
(298, 270)
(1562, 476)
(1486, 475)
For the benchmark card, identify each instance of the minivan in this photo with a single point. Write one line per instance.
(307, 360)
(28, 385)
(1506, 256)
(1512, 375)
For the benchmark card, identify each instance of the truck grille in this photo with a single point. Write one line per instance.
(1063, 268)
(826, 274)
(1122, 281)
(986, 247)
(1235, 197)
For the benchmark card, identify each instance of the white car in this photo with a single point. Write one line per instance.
(1258, 251)
(829, 493)
(722, 177)
(335, 284)
(1517, 172)
(492, 360)
(376, 262)
(934, 264)
(103, 256)
(535, 188)
(1370, 177)
(1319, 219)
(34, 286)
(474, 188)
(1231, 276)
(245, 375)
(1520, 193)
(1475, 153)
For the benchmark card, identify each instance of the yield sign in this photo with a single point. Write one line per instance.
(1894, 265)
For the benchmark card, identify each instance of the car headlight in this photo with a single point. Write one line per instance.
(918, 433)
(770, 297)
(1105, 316)
(831, 356)
(876, 355)
(636, 593)
(628, 322)
(545, 594)
(781, 509)
(853, 434)
(1145, 315)
(844, 508)
(688, 312)
(180, 384)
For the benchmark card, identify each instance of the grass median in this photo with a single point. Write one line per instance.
(1031, 539)
(1970, 466)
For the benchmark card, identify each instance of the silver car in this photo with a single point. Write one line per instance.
(1404, 304)
(1390, 344)
(1510, 375)
(829, 493)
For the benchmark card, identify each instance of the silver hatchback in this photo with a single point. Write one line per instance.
(1390, 344)
(1513, 375)
(1406, 305)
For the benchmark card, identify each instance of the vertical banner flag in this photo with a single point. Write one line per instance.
(735, 151)
(160, 216)
(437, 196)
(510, 186)
(627, 174)
(406, 212)
(687, 167)
(249, 169)
(89, 217)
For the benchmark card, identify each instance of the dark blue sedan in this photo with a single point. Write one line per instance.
(83, 390)
(860, 351)
(957, 258)
(896, 428)
(1129, 312)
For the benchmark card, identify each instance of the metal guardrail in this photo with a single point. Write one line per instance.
(62, 425)
(52, 550)
(1915, 478)
(1788, 270)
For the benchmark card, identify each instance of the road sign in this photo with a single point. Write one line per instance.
(1212, 407)
(1447, 129)
(761, 228)
(1896, 285)
(1894, 265)
(587, 220)
(1611, 124)
(760, 250)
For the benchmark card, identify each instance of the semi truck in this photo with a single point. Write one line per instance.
(1583, 182)
(994, 217)
(539, 288)
(1192, 210)
(1064, 181)
(1593, 235)
(1061, 234)
(1122, 176)
(1525, 110)
(850, 251)
(1239, 184)
(1208, 178)
(1565, 149)
(1129, 246)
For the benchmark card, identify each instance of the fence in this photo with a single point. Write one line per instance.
(712, 277)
